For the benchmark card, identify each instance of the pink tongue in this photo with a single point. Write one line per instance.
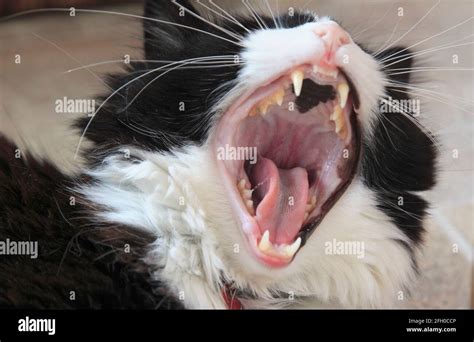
(283, 195)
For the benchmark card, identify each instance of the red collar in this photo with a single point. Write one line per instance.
(232, 302)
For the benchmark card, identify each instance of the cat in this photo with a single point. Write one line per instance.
(250, 162)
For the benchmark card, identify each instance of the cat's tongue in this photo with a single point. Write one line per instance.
(282, 196)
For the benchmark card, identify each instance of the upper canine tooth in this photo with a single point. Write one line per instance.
(297, 77)
(291, 250)
(343, 90)
(265, 244)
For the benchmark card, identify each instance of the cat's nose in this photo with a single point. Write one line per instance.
(333, 37)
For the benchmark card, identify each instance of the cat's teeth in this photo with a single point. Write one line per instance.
(249, 205)
(343, 90)
(306, 215)
(262, 107)
(293, 248)
(297, 77)
(287, 251)
(242, 184)
(246, 194)
(278, 96)
(265, 245)
(309, 208)
(338, 117)
(326, 72)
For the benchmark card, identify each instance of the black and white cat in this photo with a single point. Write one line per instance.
(240, 166)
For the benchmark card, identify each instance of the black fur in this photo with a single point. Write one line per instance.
(74, 253)
(399, 159)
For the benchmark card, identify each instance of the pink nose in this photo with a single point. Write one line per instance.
(333, 37)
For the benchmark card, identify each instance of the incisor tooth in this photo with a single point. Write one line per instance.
(343, 90)
(297, 77)
(265, 244)
(291, 250)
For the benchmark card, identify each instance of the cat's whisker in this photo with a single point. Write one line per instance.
(385, 59)
(450, 97)
(414, 25)
(125, 85)
(153, 80)
(210, 23)
(271, 13)
(73, 58)
(257, 18)
(427, 70)
(400, 208)
(358, 34)
(85, 10)
(227, 14)
(412, 119)
(424, 52)
(433, 98)
(383, 47)
(429, 38)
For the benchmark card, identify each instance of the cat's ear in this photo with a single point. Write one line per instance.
(168, 25)
(398, 63)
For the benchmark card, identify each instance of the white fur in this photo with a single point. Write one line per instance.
(199, 245)
(196, 241)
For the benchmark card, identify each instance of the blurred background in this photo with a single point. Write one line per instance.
(48, 55)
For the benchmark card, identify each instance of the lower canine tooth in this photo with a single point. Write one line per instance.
(291, 250)
(265, 244)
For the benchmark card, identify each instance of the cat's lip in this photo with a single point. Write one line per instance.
(275, 243)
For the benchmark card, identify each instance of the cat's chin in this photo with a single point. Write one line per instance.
(286, 152)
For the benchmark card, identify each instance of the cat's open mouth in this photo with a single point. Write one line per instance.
(287, 152)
